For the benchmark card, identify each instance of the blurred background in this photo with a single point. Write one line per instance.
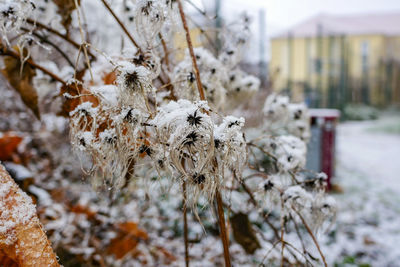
(342, 55)
(326, 53)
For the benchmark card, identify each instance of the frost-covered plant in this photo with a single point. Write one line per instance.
(136, 111)
(283, 117)
(13, 15)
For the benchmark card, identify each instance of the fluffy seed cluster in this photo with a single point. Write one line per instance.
(213, 75)
(282, 117)
(198, 149)
(149, 18)
(121, 133)
(298, 193)
(235, 41)
(13, 15)
(220, 82)
(239, 86)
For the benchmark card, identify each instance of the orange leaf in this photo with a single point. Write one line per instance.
(8, 145)
(22, 238)
(168, 255)
(127, 239)
(110, 78)
(84, 210)
(7, 261)
(80, 95)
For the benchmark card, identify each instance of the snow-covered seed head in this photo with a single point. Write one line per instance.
(149, 18)
(295, 197)
(231, 144)
(13, 15)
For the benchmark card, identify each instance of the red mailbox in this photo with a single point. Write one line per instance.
(321, 149)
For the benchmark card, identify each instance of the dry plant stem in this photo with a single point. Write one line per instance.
(122, 26)
(190, 46)
(6, 52)
(56, 47)
(185, 224)
(298, 234)
(254, 202)
(84, 45)
(221, 217)
(222, 226)
(312, 236)
(166, 54)
(166, 60)
(282, 233)
(66, 38)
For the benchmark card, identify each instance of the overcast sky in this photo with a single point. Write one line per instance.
(281, 14)
(285, 13)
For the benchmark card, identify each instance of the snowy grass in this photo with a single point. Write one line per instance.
(367, 231)
(390, 124)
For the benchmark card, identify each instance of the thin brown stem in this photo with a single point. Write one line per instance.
(185, 224)
(169, 85)
(55, 32)
(166, 53)
(56, 47)
(221, 217)
(282, 233)
(255, 204)
(298, 234)
(222, 226)
(122, 25)
(312, 236)
(7, 52)
(191, 51)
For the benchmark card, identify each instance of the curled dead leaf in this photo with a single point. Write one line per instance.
(244, 233)
(20, 78)
(8, 145)
(127, 239)
(22, 239)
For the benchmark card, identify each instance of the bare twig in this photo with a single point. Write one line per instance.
(190, 47)
(282, 233)
(56, 47)
(122, 26)
(7, 52)
(84, 44)
(222, 226)
(221, 217)
(185, 224)
(255, 204)
(312, 236)
(55, 32)
(166, 54)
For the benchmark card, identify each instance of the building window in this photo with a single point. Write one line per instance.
(364, 55)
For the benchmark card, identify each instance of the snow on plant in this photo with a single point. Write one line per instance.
(213, 77)
(13, 15)
(135, 111)
(284, 117)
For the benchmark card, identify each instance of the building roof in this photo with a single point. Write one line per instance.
(328, 24)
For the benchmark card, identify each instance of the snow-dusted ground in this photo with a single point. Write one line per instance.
(367, 230)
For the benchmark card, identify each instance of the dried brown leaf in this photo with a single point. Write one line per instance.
(8, 145)
(21, 80)
(127, 239)
(65, 9)
(22, 239)
(244, 233)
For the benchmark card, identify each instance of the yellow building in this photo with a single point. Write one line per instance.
(330, 61)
